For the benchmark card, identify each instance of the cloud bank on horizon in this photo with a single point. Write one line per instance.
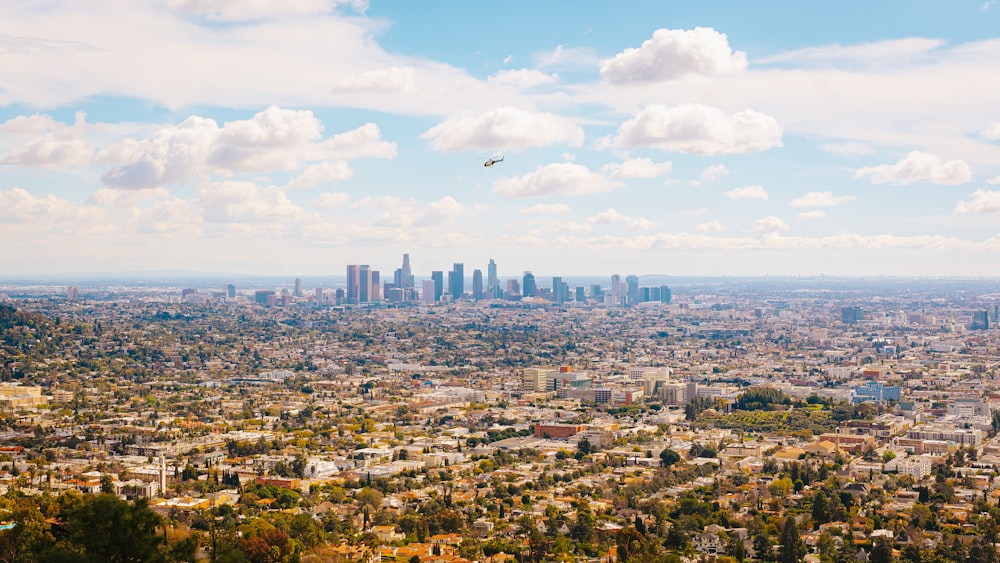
(296, 136)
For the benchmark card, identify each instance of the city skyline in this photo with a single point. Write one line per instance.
(694, 140)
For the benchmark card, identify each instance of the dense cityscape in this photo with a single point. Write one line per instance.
(720, 419)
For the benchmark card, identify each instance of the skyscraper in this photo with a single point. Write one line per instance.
(438, 277)
(353, 282)
(456, 281)
(230, 291)
(633, 295)
(477, 284)
(528, 286)
(492, 282)
(403, 277)
(298, 287)
(365, 284)
(428, 289)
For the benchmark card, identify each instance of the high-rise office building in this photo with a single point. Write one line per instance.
(528, 286)
(633, 295)
(560, 290)
(665, 294)
(376, 293)
(456, 281)
(353, 282)
(492, 281)
(980, 320)
(596, 292)
(72, 293)
(477, 284)
(403, 277)
(581, 294)
(298, 287)
(437, 276)
(364, 284)
(851, 315)
(230, 291)
(428, 291)
(617, 290)
(513, 288)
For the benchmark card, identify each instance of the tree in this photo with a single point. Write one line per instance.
(669, 457)
(105, 528)
(792, 548)
(881, 551)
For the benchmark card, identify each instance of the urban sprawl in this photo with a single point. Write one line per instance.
(513, 419)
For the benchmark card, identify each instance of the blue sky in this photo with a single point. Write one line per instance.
(297, 136)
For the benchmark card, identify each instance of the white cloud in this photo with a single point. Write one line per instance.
(991, 133)
(700, 129)
(612, 215)
(545, 209)
(994, 181)
(18, 206)
(848, 149)
(918, 167)
(876, 54)
(503, 128)
(637, 168)
(713, 226)
(327, 200)
(821, 199)
(811, 215)
(769, 225)
(980, 201)
(321, 173)
(383, 80)
(714, 172)
(246, 202)
(566, 57)
(522, 78)
(274, 139)
(674, 53)
(59, 144)
(112, 197)
(560, 178)
(747, 192)
(246, 10)
(987, 5)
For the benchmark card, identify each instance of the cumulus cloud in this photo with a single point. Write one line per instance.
(503, 128)
(994, 181)
(714, 172)
(321, 173)
(637, 168)
(612, 215)
(384, 80)
(769, 225)
(747, 192)
(403, 214)
(274, 139)
(811, 215)
(57, 145)
(329, 200)
(566, 57)
(674, 53)
(918, 167)
(848, 149)
(545, 209)
(713, 226)
(991, 133)
(821, 199)
(522, 78)
(700, 129)
(246, 202)
(979, 201)
(561, 178)
(18, 206)
(112, 197)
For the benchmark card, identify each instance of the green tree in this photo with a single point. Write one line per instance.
(106, 529)
(792, 548)
(669, 457)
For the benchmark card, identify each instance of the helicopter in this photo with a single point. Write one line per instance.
(493, 160)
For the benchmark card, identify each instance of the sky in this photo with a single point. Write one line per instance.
(293, 137)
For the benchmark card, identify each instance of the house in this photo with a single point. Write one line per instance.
(709, 543)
